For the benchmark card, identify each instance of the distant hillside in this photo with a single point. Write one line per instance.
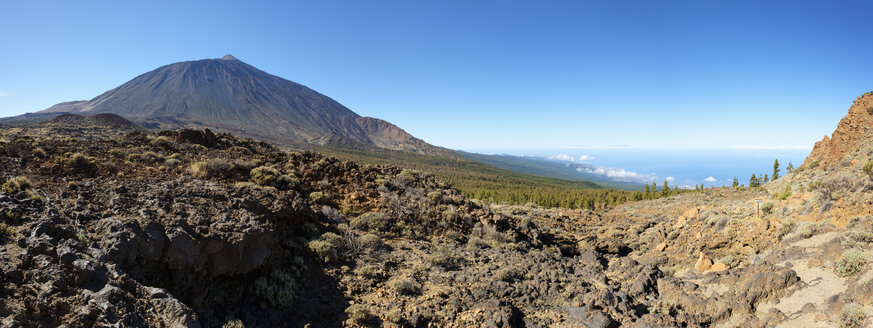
(547, 168)
(494, 184)
(229, 95)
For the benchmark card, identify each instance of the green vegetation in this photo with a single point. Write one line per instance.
(868, 169)
(754, 181)
(359, 315)
(234, 324)
(328, 247)
(851, 262)
(493, 184)
(776, 169)
(852, 316)
(271, 177)
(405, 286)
(211, 168)
(662, 307)
(15, 184)
(767, 207)
(784, 194)
(164, 142)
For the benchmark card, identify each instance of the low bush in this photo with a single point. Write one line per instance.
(508, 274)
(318, 197)
(163, 142)
(359, 315)
(38, 153)
(210, 168)
(234, 324)
(784, 194)
(371, 221)
(405, 286)
(767, 208)
(15, 184)
(328, 247)
(271, 177)
(868, 169)
(79, 163)
(279, 288)
(662, 307)
(851, 262)
(852, 316)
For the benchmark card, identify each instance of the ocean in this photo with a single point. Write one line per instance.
(681, 167)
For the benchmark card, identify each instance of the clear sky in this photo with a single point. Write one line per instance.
(484, 75)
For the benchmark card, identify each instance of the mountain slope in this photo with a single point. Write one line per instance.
(551, 169)
(229, 95)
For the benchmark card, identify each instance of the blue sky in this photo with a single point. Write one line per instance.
(484, 75)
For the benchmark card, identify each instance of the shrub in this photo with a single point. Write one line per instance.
(662, 307)
(371, 221)
(151, 157)
(80, 163)
(371, 241)
(38, 153)
(234, 324)
(443, 257)
(851, 262)
(868, 169)
(271, 177)
(852, 316)
(359, 315)
(164, 142)
(317, 197)
(785, 228)
(15, 184)
(508, 274)
(279, 288)
(784, 194)
(172, 162)
(766, 208)
(211, 168)
(328, 247)
(394, 315)
(405, 286)
(6, 230)
(117, 153)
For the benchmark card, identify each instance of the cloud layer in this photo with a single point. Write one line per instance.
(568, 158)
(617, 174)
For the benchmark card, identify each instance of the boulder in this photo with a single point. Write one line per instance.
(703, 263)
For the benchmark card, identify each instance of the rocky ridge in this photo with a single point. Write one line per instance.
(105, 225)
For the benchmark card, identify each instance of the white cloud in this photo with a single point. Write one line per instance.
(585, 158)
(669, 179)
(561, 157)
(687, 187)
(710, 179)
(616, 173)
(768, 147)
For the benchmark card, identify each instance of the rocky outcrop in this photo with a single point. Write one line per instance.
(851, 130)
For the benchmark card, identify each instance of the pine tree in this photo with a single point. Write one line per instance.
(735, 183)
(654, 187)
(766, 178)
(790, 167)
(666, 189)
(647, 191)
(753, 181)
(776, 169)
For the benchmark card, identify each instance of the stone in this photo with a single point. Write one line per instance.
(703, 263)
(717, 267)
(661, 247)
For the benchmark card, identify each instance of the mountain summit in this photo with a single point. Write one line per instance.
(229, 95)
